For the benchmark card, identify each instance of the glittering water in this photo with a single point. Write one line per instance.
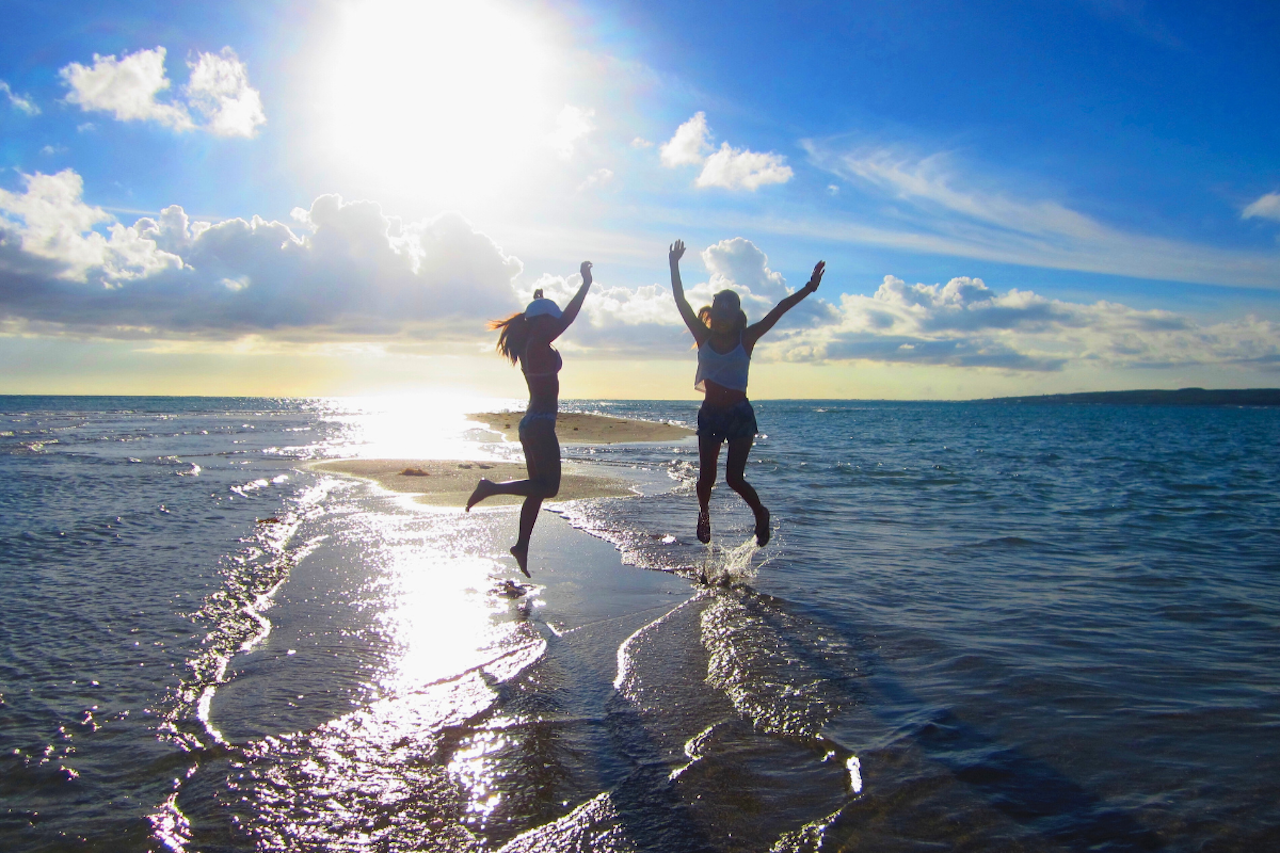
(977, 627)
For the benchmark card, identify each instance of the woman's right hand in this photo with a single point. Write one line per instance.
(677, 252)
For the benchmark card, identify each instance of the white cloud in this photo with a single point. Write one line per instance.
(641, 142)
(51, 222)
(966, 324)
(1268, 207)
(572, 124)
(689, 145)
(928, 205)
(345, 271)
(729, 168)
(19, 102)
(733, 169)
(127, 88)
(598, 178)
(219, 89)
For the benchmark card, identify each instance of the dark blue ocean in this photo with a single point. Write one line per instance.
(977, 627)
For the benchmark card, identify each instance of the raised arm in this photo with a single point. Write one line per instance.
(756, 331)
(571, 310)
(696, 327)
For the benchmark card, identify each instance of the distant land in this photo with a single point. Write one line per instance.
(1181, 397)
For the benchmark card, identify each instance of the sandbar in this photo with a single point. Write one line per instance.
(578, 428)
(449, 482)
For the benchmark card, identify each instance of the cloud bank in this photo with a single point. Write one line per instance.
(347, 272)
(341, 270)
(729, 168)
(127, 88)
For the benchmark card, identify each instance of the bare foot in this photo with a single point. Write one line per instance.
(762, 528)
(704, 526)
(484, 489)
(521, 553)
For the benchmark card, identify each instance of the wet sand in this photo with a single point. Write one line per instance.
(576, 428)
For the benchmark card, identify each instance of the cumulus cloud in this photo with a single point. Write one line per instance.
(733, 169)
(689, 145)
(219, 89)
(729, 168)
(572, 124)
(19, 102)
(1267, 207)
(127, 88)
(341, 270)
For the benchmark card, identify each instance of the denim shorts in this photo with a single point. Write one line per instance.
(729, 423)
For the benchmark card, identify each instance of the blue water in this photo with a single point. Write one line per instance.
(977, 627)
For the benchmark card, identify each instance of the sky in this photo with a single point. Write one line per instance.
(332, 198)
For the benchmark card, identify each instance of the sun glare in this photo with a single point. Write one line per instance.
(447, 99)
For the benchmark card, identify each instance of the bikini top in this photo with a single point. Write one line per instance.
(559, 364)
(728, 369)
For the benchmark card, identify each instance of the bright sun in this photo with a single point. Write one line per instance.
(449, 99)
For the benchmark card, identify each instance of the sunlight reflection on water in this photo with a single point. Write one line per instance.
(419, 426)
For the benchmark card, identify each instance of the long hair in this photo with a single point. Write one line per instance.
(513, 336)
(513, 333)
(740, 321)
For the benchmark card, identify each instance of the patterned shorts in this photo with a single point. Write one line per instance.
(727, 424)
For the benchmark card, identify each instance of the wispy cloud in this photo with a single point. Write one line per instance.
(128, 89)
(1266, 207)
(936, 209)
(729, 168)
(23, 103)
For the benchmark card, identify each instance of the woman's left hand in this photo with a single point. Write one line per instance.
(586, 272)
(816, 279)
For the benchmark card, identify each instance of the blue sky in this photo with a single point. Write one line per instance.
(331, 198)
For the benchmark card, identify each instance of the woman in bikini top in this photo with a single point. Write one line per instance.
(525, 338)
(725, 342)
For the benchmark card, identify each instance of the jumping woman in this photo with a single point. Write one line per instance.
(725, 342)
(526, 338)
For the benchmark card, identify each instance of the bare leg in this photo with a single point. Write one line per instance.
(708, 462)
(542, 458)
(488, 488)
(734, 467)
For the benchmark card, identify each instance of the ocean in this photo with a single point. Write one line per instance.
(977, 627)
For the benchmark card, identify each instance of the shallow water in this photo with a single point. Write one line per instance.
(977, 627)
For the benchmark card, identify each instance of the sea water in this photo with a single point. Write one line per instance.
(976, 627)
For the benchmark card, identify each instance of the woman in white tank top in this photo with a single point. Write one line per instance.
(725, 343)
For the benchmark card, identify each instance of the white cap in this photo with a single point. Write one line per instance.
(541, 306)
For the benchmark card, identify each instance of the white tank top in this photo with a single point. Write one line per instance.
(728, 369)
